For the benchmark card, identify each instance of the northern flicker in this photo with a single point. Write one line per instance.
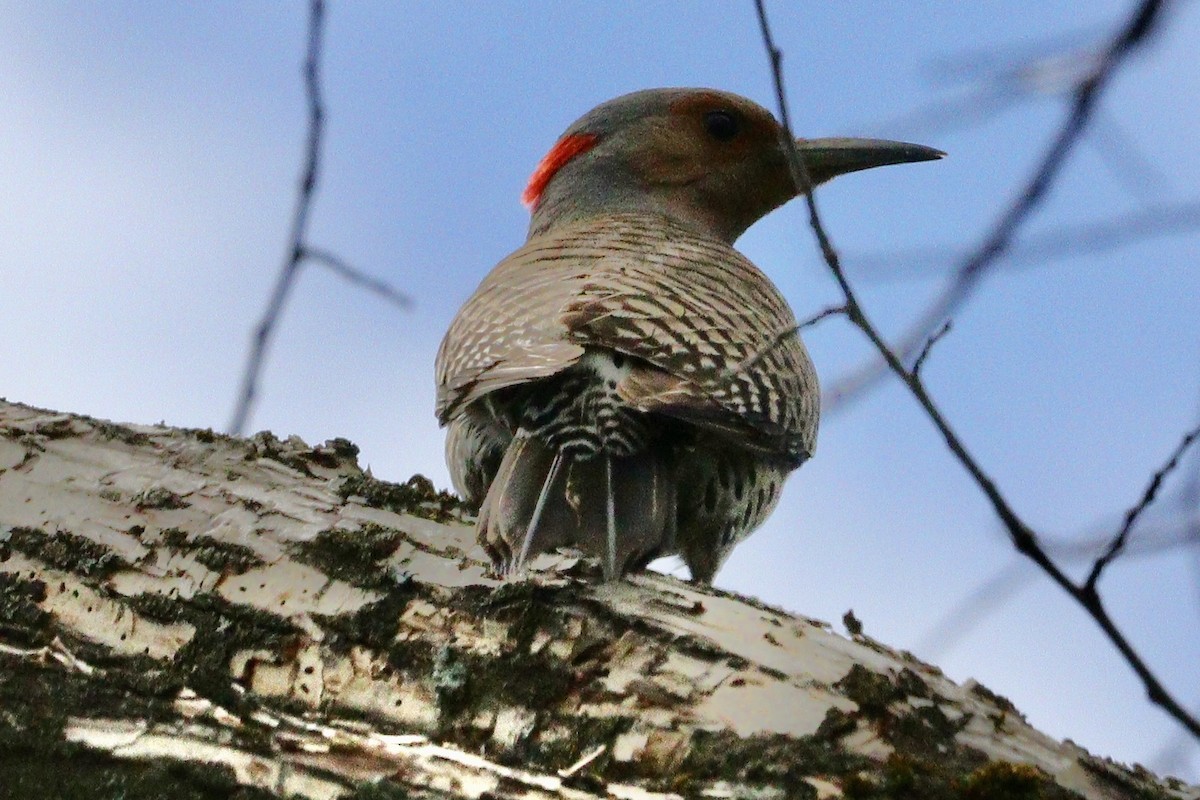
(627, 382)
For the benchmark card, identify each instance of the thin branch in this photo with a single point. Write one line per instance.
(800, 176)
(966, 612)
(1172, 531)
(357, 277)
(929, 343)
(998, 88)
(295, 252)
(1188, 507)
(1086, 238)
(987, 64)
(299, 251)
(965, 110)
(1004, 232)
(1021, 534)
(1126, 162)
(778, 339)
(1131, 516)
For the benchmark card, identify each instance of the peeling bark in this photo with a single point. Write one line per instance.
(187, 614)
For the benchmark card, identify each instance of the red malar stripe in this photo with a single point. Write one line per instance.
(563, 151)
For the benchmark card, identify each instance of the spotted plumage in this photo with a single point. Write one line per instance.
(627, 382)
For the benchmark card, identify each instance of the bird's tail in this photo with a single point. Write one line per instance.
(619, 509)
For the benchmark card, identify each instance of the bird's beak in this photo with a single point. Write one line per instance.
(828, 158)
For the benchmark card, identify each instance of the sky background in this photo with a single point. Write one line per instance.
(149, 154)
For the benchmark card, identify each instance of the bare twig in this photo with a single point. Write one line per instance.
(1188, 507)
(299, 251)
(986, 63)
(1174, 530)
(1151, 540)
(1000, 85)
(967, 612)
(1069, 240)
(929, 343)
(998, 241)
(1127, 164)
(829, 311)
(800, 176)
(295, 253)
(1131, 517)
(1022, 536)
(778, 339)
(357, 277)
(1053, 72)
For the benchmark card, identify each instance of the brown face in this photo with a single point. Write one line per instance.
(701, 156)
(703, 133)
(712, 158)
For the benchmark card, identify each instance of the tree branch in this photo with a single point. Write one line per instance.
(357, 646)
(357, 277)
(1003, 233)
(1075, 239)
(929, 343)
(1022, 536)
(778, 339)
(1117, 545)
(298, 250)
(295, 253)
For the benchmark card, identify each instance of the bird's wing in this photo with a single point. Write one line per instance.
(508, 332)
(713, 324)
(709, 330)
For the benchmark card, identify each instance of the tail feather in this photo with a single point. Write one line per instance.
(473, 454)
(620, 510)
(519, 516)
(533, 527)
(610, 520)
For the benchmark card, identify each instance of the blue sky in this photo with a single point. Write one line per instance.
(150, 153)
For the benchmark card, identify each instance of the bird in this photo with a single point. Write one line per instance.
(626, 382)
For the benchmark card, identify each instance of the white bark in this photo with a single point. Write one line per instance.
(266, 609)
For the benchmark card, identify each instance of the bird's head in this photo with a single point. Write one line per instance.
(710, 159)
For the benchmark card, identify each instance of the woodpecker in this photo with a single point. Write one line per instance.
(627, 382)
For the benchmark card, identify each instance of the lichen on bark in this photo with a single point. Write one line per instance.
(198, 615)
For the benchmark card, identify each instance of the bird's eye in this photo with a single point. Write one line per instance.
(721, 125)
